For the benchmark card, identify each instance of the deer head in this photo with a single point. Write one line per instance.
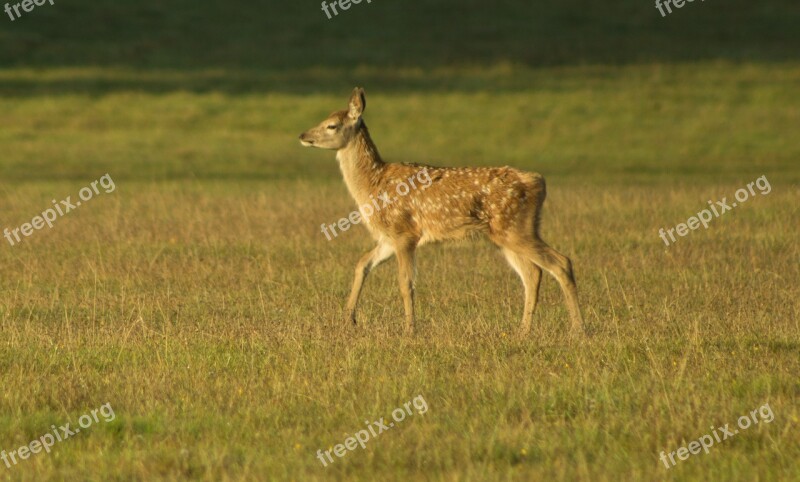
(339, 128)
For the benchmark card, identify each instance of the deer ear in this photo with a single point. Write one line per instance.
(358, 102)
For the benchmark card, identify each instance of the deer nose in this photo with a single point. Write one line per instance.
(305, 140)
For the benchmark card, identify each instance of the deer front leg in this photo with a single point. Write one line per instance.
(378, 255)
(405, 260)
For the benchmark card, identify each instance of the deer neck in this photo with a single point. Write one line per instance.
(361, 166)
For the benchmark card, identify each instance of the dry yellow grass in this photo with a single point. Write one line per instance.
(210, 321)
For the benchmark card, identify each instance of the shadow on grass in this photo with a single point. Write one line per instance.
(244, 46)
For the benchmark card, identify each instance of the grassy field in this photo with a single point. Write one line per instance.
(201, 301)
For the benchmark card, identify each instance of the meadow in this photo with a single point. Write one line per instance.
(202, 302)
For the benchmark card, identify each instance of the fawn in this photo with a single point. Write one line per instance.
(502, 202)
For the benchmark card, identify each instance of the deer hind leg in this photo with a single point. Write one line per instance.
(560, 267)
(378, 255)
(405, 259)
(531, 276)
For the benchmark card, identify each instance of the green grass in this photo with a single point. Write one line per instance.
(201, 300)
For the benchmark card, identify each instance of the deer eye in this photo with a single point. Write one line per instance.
(332, 126)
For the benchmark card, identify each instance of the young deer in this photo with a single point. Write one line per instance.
(501, 202)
